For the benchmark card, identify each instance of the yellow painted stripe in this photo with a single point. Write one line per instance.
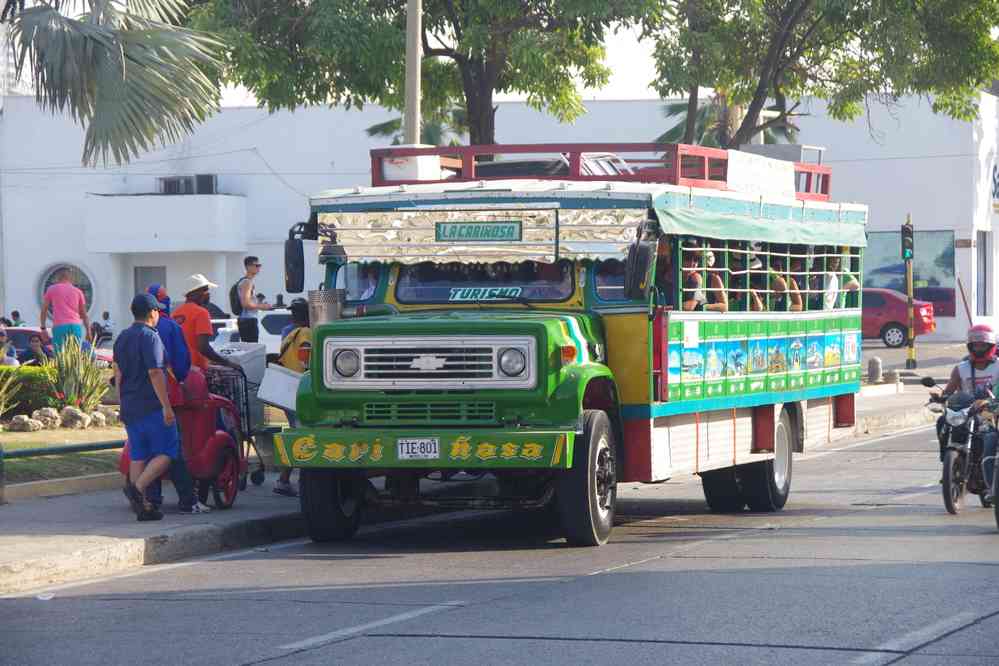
(557, 454)
(280, 450)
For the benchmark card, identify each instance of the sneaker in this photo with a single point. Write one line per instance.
(196, 508)
(285, 488)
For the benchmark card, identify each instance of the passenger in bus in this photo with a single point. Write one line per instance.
(835, 282)
(695, 295)
(785, 287)
(664, 280)
(744, 286)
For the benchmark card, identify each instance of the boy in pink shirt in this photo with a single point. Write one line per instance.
(69, 310)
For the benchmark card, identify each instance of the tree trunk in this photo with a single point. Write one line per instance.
(690, 128)
(791, 17)
(478, 89)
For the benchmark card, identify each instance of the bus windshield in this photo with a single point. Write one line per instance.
(476, 283)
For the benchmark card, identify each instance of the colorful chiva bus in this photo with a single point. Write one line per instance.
(567, 330)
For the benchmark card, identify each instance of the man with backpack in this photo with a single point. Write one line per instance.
(244, 303)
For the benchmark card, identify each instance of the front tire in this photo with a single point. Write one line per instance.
(894, 336)
(586, 494)
(766, 485)
(722, 490)
(953, 481)
(331, 502)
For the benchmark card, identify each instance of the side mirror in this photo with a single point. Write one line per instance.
(638, 269)
(928, 382)
(294, 266)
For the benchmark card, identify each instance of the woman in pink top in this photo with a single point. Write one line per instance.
(69, 310)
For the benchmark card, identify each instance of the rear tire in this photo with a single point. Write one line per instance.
(586, 494)
(331, 502)
(722, 490)
(953, 481)
(766, 485)
(894, 335)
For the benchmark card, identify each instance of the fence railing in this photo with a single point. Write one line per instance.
(51, 451)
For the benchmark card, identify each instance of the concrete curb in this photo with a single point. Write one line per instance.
(880, 423)
(120, 555)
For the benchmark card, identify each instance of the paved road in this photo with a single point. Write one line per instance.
(863, 566)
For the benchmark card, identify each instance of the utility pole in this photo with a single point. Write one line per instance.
(908, 249)
(414, 54)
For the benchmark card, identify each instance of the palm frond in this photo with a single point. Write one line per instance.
(132, 81)
(387, 128)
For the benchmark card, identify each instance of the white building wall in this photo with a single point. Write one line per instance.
(907, 159)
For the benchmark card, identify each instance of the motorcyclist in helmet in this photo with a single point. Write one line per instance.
(976, 374)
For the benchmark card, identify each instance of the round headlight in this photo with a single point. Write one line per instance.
(347, 363)
(512, 362)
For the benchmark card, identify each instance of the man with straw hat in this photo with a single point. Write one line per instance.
(196, 323)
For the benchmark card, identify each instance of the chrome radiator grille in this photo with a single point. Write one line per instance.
(429, 412)
(430, 362)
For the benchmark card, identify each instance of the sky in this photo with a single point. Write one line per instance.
(629, 59)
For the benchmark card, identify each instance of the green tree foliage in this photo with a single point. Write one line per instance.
(351, 52)
(847, 53)
(126, 71)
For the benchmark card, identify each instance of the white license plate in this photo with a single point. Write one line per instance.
(418, 448)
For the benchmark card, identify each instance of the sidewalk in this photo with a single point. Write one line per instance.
(47, 541)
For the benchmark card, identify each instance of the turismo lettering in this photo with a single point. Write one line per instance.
(483, 293)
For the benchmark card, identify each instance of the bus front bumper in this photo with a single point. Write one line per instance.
(354, 448)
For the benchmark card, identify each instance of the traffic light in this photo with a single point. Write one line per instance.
(908, 244)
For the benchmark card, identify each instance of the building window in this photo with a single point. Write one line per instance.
(203, 183)
(78, 277)
(146, 276)
(177, 185)
(983, 241)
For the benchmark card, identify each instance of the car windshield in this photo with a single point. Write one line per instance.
(476, 283)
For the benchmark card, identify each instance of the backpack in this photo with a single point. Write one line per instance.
(235, 304)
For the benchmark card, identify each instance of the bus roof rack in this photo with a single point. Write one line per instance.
(667, 163)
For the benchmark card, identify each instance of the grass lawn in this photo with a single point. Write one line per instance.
(63, 466)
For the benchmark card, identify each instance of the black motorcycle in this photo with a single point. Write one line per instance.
(960, 431)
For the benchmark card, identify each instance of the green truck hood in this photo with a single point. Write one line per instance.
(540, 406)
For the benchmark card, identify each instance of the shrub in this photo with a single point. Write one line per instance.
(77, 381)
(8, 387)
(33, 389)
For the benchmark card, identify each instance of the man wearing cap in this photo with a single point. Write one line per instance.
(196, 323)
(178, 360)
(139, 362)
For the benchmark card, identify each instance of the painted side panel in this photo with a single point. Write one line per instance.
(628, 355)
(638, 448)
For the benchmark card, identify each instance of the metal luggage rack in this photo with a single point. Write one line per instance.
(232, 384)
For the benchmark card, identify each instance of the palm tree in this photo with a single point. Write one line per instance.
(716, 123)
(443, 129)
(124, 69)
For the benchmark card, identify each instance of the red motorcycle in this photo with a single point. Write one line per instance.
(216, 457)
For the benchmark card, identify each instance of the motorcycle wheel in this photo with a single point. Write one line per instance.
(953, 481)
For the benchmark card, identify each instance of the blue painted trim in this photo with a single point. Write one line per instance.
(565, 203)
(730, 401)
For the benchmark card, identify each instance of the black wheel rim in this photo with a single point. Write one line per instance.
(606, 477)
